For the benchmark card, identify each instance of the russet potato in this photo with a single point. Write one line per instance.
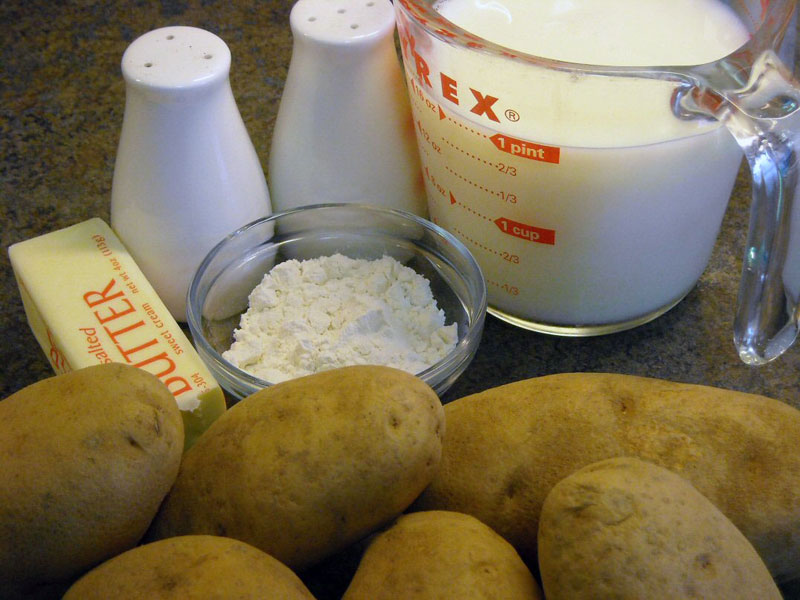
(441, 554)
(85, 460)
(190, 567)
(625, 529)
(508, 446)
(304, 468)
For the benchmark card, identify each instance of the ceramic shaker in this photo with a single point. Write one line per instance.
(186, 171)
(344, 131)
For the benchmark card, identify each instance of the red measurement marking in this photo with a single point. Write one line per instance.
(464, 237)
(469, 209)
(526, 232)
(467, 128)
(469, 181)
(521, 148)
(472, 156)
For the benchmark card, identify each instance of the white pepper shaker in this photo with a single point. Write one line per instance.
(344, 130)
(186, 171)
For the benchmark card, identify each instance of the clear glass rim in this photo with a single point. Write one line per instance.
(762, 37)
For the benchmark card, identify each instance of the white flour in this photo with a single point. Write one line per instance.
(312, 315)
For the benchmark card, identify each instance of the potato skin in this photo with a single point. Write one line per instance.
(306, 467)
(508, 446)
(441, 554)
(624, 528)
(200, 567)
(87, 457)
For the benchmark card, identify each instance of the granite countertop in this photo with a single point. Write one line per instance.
(61, 107)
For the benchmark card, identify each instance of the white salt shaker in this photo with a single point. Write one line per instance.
(344, 131)
(186, 171)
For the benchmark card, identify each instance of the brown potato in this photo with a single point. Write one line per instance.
(624, 529)
(304, 468)
(441, 554)
(190, 567)
(508, 446)
(87, 457)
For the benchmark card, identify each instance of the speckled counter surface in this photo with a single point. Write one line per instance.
(61, 108)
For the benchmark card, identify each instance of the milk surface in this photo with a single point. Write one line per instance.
(605, 32)
(587, 203)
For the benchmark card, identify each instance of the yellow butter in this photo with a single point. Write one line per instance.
(88, 303)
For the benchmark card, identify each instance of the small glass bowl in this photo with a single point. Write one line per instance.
(218, 294)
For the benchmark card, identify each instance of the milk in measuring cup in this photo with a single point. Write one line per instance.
(587, 203)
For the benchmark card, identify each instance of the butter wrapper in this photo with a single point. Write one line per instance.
(87, 303)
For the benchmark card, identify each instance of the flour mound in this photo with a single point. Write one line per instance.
(333, 311)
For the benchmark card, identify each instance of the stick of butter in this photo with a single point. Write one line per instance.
(87, 303)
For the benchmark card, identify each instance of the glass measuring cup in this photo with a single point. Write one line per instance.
(591, 195)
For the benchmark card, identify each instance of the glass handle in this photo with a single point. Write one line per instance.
(764, 117)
